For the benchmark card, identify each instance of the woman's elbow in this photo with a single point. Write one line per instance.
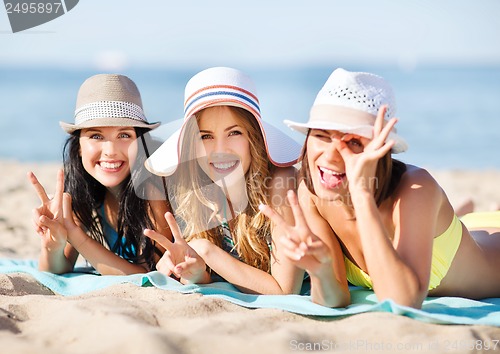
(342, 299)
(412, 296)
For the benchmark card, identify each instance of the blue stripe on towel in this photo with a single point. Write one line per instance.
(443, 310)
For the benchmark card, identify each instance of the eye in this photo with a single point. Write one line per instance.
(124, 135)
(354, 142)
(320, 135)
(235, 132)
(96, 136)
(205, 136)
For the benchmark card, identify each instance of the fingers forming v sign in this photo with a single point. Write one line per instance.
(179, 258)
(300, 245)
(48, 217)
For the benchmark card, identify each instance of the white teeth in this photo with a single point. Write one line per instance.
(330, 172)
(110, 165)
(224, 165)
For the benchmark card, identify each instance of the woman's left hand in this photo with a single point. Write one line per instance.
(361, 168)
(179, 258)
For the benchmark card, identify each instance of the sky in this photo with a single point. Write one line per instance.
(119, 34)
(258, 37)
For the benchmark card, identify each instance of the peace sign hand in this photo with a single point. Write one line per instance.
(361, 168)
(300, 245)
(179, 258)
(48, 218)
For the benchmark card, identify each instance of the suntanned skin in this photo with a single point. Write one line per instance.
(392, 242)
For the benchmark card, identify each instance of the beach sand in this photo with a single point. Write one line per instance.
(129, 319)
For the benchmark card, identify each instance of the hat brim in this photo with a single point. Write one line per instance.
(164, 161)
(108, 122)
(366, 131)
(282, 150)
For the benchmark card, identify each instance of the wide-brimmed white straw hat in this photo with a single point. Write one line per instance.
(349, 103)
(108, 100)
(222, 86)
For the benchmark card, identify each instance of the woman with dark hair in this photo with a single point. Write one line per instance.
(109, 197)
(362, 216)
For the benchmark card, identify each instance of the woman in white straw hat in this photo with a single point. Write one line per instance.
(103, 212)
(362, 216)
(225, 161)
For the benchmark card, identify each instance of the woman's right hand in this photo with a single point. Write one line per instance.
(179, 258)
(300, 245)
(360, 168)
(48, 218)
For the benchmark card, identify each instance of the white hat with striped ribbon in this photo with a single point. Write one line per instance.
(222, 86)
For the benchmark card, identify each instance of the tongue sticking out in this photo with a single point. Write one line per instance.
(330, 180)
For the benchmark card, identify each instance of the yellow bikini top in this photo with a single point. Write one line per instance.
(444, 248)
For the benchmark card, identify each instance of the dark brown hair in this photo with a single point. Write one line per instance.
(387, 176)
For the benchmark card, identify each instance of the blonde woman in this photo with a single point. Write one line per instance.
(225, 161)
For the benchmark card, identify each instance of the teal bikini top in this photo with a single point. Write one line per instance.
(112, 238)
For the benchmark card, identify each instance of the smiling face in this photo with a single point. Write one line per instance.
(108, 153)
(223, 147)
(326, 165)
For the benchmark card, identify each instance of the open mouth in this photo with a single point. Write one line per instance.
(330, 179)
(111, 166)
(224, 167)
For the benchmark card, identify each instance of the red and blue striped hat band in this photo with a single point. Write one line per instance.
(222, 86)
(221, 95)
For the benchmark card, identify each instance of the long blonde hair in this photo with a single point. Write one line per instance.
(197, 205)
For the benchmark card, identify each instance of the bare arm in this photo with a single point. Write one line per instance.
(328, 277)
(246, 278)
(187, 261)
(321, 256)
(286, 273)
(56, 254)
(102, 259)
(159, 206)
(399, 268)
(57, 262)
(285, 277)
(107, 262)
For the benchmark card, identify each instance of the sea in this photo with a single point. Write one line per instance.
(450, 116)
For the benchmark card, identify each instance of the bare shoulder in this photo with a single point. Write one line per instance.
(306, 198)
(283, 179)
(417, 178)
(418, 187)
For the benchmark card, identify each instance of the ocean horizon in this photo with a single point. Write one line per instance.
(450, 116)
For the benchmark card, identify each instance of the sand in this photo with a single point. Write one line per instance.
(129, 319)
